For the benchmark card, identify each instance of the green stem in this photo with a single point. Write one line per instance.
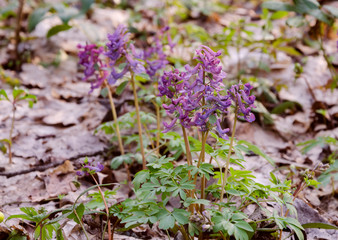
(11, 135)
(199, 163)
(119, 138)
(148, 135)
(138, 120)
(187, 147)
(41, 232)
(184, 233)
(203, 178)
(106, 206)
(115, 224)
(189, 161)
(155, 149)
(80, 221)
(329, 63)
(228, 158)
(158, 117)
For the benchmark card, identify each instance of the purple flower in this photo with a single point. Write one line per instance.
(117, 44)
(210, 64)
(135, 65)
(240, 95)
(90, 167)
(120, 50)
(89, 57)
(205, 227)
(114, 76)
(194, 96)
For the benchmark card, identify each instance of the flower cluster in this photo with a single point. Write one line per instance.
(117, 52)
(195, 95)
(121, 52)
(89, 167)
(240, 95)
(90, 58)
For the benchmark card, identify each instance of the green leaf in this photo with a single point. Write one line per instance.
(278, 6)
(289, 50)
(64, 215)
(85, 5)
(17, 237)
(79, 211)
(140, 177)
(3, 148)
(320, 15)
(142, 77)
(257, 151)
(166, 222)
(116, 162)
(58, 28)
(298, 232)
(332, 10)
(279, 15)
(3, 95)
(90, 188)
(319, 225)
(59, 234)
(181, 216)
(121, 87)
(296, 21)
(22, 216)
(281, 108)
(244, 225)
(260, 108)
(212, 119)
(294, 222)
(36, 16)
(66, 13)
(240, 234)
(17, 92)
(190, 201)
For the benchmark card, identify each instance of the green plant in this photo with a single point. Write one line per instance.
(330, 175)
(325, 15)
(64, 10)
(2, 217)
(18, 95)
(214, 210)
(47, 224)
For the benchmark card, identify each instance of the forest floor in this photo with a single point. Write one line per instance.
(51, 140)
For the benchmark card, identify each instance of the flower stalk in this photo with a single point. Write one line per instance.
(119, 138)
(137, 108)
(11, 136)
(110, 237)
(228, 157)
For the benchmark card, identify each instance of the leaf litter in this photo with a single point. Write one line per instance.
(58, 133)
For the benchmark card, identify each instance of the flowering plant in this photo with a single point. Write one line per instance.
(197, 98)
(89, 167)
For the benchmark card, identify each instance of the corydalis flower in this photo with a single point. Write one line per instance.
(194, 95)
(240, 95)
(119, 49)
(117, 43)
(210, 63)
(90, 167)
(90, 58)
